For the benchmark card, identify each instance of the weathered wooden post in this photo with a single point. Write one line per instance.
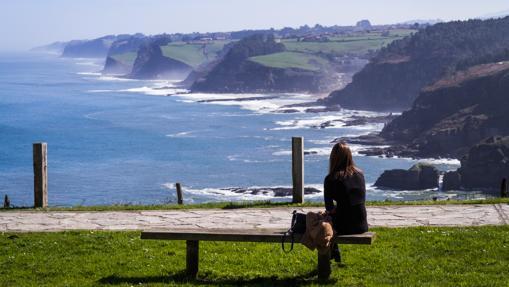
(40, 158)
(7, 202)
(298, 169)
(503, 188)
(180, 197)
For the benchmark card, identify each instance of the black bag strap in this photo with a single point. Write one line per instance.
(289, 232)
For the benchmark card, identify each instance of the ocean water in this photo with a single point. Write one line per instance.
(119, 141)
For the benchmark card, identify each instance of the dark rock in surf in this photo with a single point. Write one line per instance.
(484, 167)
(276, 191)
(418, 177)
(451, 181)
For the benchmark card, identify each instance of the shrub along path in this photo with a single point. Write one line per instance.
(246, 218)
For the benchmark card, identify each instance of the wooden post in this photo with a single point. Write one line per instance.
(503, 188)
(192, 257)
(324, 269)
(7, 202)
(180, 197)
(40, 158)
(298, 169)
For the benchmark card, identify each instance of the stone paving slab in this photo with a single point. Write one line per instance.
(248, 218)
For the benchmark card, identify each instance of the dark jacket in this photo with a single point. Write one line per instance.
(349, 193)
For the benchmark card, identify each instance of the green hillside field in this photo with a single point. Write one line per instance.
(299, 60)
(310, 55)
(299, 54)
(193, 54)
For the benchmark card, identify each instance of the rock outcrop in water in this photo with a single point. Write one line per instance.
(151, 64)
(484, 167)
(418, 177)
(451, 181)
(393, 79)
(274, 191)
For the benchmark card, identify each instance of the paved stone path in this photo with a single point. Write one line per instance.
(390, 216)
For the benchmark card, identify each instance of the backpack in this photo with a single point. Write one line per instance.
(298, 225)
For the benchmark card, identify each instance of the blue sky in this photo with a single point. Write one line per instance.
(27, 23)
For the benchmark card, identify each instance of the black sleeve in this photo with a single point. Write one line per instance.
(327, 190)
(357, 189)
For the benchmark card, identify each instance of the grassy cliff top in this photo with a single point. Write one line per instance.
(356, 44)
(309, 55)
(291, 60)
(125, 58)
(193, 54)
(299, 54)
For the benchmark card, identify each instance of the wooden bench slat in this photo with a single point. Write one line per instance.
(259, 235)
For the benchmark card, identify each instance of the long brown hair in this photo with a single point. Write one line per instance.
(341, 161)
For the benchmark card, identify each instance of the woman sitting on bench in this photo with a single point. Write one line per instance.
(345, 185)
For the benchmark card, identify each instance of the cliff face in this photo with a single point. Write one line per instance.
(248, 76)
(96, 48)
(128, 46)
(484, 167)
(235, 73)
(53, 48)
(115, 67)
(385, 85)
(394, 78)
(151, 64)
(456, 113)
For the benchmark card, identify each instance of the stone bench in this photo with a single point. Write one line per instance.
(193, 237)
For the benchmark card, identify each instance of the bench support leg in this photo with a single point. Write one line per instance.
(324, 268)
(192, 256)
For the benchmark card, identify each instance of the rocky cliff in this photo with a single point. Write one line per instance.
(129, 44)
(484, 166)
(236, 73)
(96, 48)
(53, 48)
(151, 64)
(120, 55)
(394, 78)
(248, 76)
(455, 113)
(229, 73)
(115, 67)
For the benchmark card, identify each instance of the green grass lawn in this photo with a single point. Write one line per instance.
(291, 60)
(354, 46)
(401, 32)
(193, 54)
(474, 256)
(306, 55)
(348, 44)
